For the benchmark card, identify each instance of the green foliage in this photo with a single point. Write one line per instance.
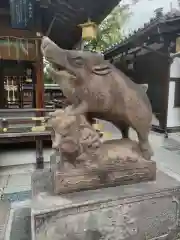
(47, 78)
(110, 30)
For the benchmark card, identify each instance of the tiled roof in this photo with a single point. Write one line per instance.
(147, 28)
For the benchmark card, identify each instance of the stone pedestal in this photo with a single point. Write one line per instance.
(137, 211)
(112, 175)
(120, 162)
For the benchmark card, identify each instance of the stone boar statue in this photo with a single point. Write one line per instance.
(103, 91)
(66, 82)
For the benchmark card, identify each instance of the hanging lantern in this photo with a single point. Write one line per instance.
(89, 30)
(178, 44)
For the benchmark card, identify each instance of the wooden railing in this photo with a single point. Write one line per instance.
(17, 126)
(22, 125)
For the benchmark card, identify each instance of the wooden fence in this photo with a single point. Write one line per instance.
(22, 125)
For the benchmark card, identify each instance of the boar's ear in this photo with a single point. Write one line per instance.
(102, 69)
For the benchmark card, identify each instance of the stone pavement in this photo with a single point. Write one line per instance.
(16, 166)
(4, 215)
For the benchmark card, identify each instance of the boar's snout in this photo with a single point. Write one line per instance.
(48, 47)
(44, 44)
(52, 52)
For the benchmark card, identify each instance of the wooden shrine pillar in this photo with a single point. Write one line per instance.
(165, 89)
(2, 90)
(39, 87)
(39, 79)
(165, 95)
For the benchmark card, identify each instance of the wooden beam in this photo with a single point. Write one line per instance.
(4, 12)
(170, 27)
(152, 48)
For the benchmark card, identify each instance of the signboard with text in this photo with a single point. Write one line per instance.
(22, 13)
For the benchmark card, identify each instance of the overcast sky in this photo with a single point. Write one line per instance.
(144, 10)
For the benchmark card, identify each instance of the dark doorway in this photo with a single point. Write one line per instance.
(177, 93)
(15, 89)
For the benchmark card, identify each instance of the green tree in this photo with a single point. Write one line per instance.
(47, 78)
(110, 30)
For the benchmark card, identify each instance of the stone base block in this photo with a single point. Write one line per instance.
(138, 211)
(118, 162)
(112, 175)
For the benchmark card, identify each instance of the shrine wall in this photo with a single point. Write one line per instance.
(150, 69)
(147, 69)
(15, 45)
(6, 29)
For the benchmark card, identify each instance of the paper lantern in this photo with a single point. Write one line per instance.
(89, 30)
(178, 44)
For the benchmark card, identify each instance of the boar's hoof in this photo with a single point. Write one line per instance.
(146, 154)
(146, 151)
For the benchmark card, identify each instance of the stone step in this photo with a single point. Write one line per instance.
(19, 223)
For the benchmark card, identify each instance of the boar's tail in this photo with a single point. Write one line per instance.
(154, 121)
(144, 86)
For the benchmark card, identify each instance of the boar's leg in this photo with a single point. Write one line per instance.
(90, 119)
(123, 127)
(125, 131)
(145, 145)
